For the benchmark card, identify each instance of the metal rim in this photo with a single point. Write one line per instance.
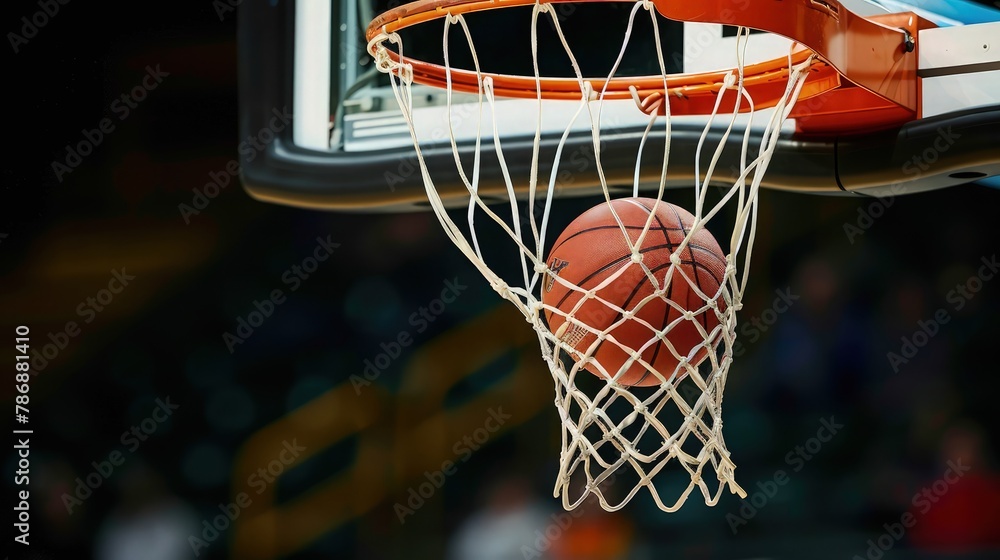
(876, 57)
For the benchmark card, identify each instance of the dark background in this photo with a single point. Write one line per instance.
(291, 380)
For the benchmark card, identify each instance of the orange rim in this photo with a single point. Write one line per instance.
(878, 56)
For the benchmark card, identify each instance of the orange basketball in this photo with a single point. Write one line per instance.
(592, 248)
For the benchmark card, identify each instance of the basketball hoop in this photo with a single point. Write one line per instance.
(618, 426)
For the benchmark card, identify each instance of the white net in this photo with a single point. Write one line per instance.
(609, 429)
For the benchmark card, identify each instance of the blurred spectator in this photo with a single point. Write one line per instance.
(508, 523)
(966, 515)
(148, 524)
(595, 535)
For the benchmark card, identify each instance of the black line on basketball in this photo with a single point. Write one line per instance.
(596, 228)
(666, 311)
(697, 277)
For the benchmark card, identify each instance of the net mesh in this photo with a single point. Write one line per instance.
(609, 428)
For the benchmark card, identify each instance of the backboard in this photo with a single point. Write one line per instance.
(349, 149)
(451, 103)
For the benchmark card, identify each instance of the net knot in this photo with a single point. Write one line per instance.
(805, 64)
(649, 104)
(502, 288)
(541, 267)
(383, 62)
(682, 364)
(675, 259)
(535, 307)
(636, 256)
(729, 80)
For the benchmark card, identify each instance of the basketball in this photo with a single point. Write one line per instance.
(593, 247)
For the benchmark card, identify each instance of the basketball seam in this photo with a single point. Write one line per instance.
(669, 244)
(697, 277)
(595, 228)
(622, 258)
(694, 265)
(615, 262)
(667, 308)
